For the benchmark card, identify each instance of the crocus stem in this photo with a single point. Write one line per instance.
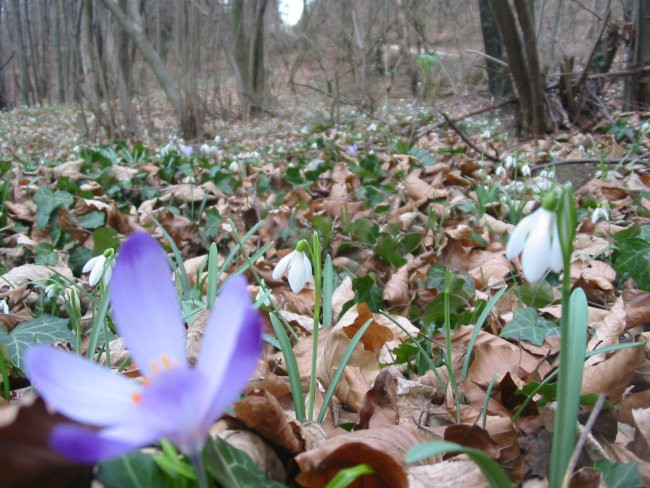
(318, 292)
(197, 462)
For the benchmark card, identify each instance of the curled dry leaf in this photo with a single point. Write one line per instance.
(396, 291)
(263, 414)
(343, 294)
(383, 448)
(637, 307)
(452, 473)
(29, 273)
(363, 366)
(266, 459)
(613, 375)
(607, 331)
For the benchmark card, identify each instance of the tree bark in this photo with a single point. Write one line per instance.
(638, 87)
(498, 80)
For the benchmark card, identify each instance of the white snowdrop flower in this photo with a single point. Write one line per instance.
(304, 130)
(97, 267)
(299, 269)
(254, 155)
(537, 239)
(509, 162)
(233, 167)
(600, 213)
(262, 292)
(314, 164)
(314, 145)
(217, 139)
(500, 171)
(486, 134)
(551, 175)
(543, 174)
(645, 127)
(4, 308)
(372, 127)
(205, 149)
(525, 170)
(76, 149)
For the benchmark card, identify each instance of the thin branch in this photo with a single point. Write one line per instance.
(468, 141)
(565, 162)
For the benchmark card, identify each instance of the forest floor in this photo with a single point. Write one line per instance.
(413, 222)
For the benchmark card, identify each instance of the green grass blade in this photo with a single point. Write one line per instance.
(477, 328)
(346, 477)
(213, 274)
(292, 368)
(328, 290)
(341, 367)
(490, 468)
(185, 282)
(572, 357)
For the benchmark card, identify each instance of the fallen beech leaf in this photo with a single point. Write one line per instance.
(263, 414)
(28, 273)
(27, 458)
(396, 291)
(637, 307)
(266, 459)
(472, 436)
(607, 331)
(613, 375)
(451, 473)
(383, 448)
(379, 406)
(363, 366)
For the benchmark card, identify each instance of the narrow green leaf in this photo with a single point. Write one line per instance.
(292, 368)
(328, 290)
(346, 477)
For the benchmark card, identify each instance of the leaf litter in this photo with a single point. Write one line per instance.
(393, 217)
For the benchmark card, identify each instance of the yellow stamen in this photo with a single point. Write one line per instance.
(166, 362)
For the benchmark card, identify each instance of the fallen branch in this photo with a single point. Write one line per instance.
(564, 162)
(468, 141)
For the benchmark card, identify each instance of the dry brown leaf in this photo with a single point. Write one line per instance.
(452, 473)
(637, 307)
(363, 366)
(607, 331)
(642, 420)
(265, 457)
(30, 273)
(184, 192)
(263, 414)
(396, 291)
(613, 375)
(343, 294)
(382, 448)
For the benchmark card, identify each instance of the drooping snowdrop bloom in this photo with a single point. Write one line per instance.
(536, 237)
(298, 265)
(97, 267)
(174, 401)
(600, 213)
(372, 127)
(233, 167)
(500, 171)
(525, 170)
(509, 162)
(4, 308)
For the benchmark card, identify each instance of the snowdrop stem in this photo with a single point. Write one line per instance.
(316, 255)
(566, 417)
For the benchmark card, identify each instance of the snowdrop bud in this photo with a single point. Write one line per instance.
(599, 213)
(486, 133)
(217, 139)
(500, 171)
(234, 167)
(372, 127)
(314, 145)
(4, 308)
(525, 170)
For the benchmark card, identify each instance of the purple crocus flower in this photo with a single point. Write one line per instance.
(187, 150)
(174, 401)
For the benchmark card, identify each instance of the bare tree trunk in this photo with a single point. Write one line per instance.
(132, 24)
(638, 86)
(21, 53)
(498, 79)
(57, 18)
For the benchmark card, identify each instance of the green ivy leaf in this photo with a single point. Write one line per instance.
(135, 470)
(105, 238)
(536, 296)
(45, 329)
(92, 220)
(526, 325)
(634, 258)
(619, 475)
(233, 468)
(387, 248)
(366, 290)
(47, 201)
(45, 254)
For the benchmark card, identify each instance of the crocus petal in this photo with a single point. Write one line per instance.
(145, 305)
(85, 445)
(81, 389)
(536, 254)
(231, 345)
(519, 235)
(282, 265)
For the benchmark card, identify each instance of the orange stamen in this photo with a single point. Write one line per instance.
(136, 398)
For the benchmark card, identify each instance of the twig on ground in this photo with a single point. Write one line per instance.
(468, 141)
(563, 162)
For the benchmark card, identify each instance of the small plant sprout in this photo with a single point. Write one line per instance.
(536, 238)
(98, 266)
(4, 308)
(298, 265)
(173, 401)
